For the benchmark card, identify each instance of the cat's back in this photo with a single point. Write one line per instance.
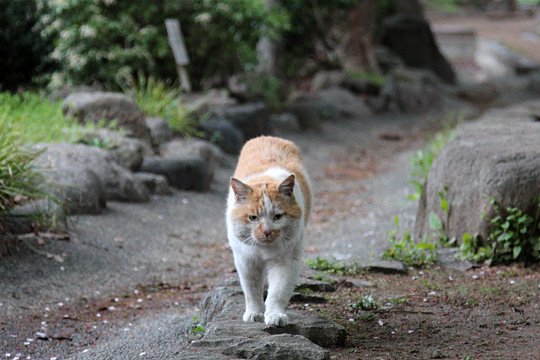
(266, 152)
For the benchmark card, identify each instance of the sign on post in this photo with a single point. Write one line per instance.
(176, 41)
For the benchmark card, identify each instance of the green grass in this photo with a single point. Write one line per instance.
(370, 77)
(17, 178)
(423, 160)
(37, 119)
(332, 266)
(156, 98)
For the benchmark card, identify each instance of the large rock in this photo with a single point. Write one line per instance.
(223, 134)
(497, 156)
(84, 176)
(479, 93)
(252, 119)
(411, 38)
(183, 173)
(345, 102)
(412, 90)
(126, 151)
(99, 106)
(154, 184)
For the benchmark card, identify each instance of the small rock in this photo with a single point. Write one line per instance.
(386, 267)
(327, 79)
(483, 93)
(315, 285)
(159, 129)
(345, 102)
(222, 133)
(285, 121)
(182, 173)
(252, 119)
(302, 298)
(155, 184)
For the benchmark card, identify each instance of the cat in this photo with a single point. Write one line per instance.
(267, 210)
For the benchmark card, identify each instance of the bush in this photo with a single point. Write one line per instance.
(24, 50)
(109, 41)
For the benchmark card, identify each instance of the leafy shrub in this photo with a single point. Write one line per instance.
(156, 98)
(515, 236)
(406, 250)
(109, 41)
(25, 49)
(366, 303)
(36, 119)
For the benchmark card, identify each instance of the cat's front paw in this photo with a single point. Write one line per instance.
(252, 316)
(276, 319)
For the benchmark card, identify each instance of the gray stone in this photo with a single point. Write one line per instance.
(278, 347)
(189, 148)
(482, 93)
(534, 82)
(155, 184)
(84, 176)
(322, 332)
(223, 134)
(309, 111)
(386, 267)
(109, 107)
(304, 298)
(412, 90)
(345, 102)
(325, 79)
(286, 121)
(203, 104)
(252, 119)
(387, 59)
(497, 156)
(159, 129)
(183, 173)
(315, 285)
(126, 151)
(449, 258)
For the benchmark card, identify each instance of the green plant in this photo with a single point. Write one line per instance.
(370, 77)
(17, 179)
(366, 302)
(406, 250)
(36, 119)
(333, 267)
(26, 48)
(197, 328)
(423, 160)
(156, 98)
(514, 236)
(438, 225)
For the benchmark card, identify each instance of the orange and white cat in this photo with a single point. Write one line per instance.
(268, 207)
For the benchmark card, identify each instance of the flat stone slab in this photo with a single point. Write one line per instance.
(386, 267)
(226, 334)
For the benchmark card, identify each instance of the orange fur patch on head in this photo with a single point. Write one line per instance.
(254, 204)
(263, 152)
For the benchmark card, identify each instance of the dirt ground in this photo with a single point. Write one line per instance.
(484, 313)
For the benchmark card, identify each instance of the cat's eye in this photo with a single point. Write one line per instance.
(253, 217)
(278, 216)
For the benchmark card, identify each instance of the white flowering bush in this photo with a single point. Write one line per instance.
(109, 41)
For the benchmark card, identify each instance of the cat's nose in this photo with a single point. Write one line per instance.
(267, 232)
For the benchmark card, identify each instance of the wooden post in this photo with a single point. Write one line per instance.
(176, 41)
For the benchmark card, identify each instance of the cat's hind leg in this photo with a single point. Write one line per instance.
(252, 281)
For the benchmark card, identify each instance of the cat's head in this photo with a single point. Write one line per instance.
(266, 211)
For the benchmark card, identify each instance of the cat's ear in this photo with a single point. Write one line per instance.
(287, 186)
(241, 190)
